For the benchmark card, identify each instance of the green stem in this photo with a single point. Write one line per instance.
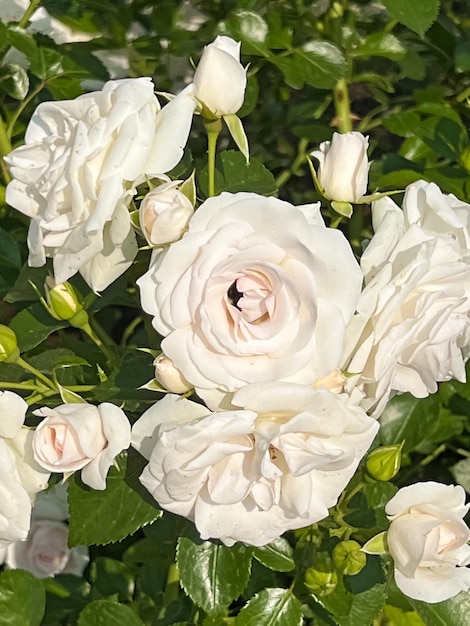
(342, 106)
(36, 398)
(32, 370)
(23, 105)
(213, 128)
(5, 148)
(26, 386)
(94, 335)
(296, 163)
(33, 5)
(172, 585)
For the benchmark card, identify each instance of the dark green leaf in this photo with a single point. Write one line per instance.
(112, 577)
(318, 63)
(66, 595)
(277, 555)
(234, 175)
(249, 28)
(381, 45)
(9, 250)
(101, 517)
(418, 15)
(46, 63)
(33, 325)
(453, 612)
(23, 41)
(106, 613)
(14, 81)
(22, 290)
(271, 607)
(212, 574)
(22, 599)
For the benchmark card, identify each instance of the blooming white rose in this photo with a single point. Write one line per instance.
(81, 436)
(248, 475)
(220, 79)
(20, 477)
(428, 541)
(76, 174)
(343, 168)
(413, 322)
(164, 213)
(256, 290)
(45, 552)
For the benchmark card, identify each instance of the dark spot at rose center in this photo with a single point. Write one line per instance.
(234, 295)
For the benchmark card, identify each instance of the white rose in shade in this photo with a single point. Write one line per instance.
(164, 213)
(256, 290)
(75, 176)
(20, 477)
(83, 437)
(343, 167)
(413, 322)
(220, 80)
(45, 552)
(249, 475)
(428, 541)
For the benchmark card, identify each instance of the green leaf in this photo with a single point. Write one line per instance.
(453, 612)
(47, 63)
(381, 45)
(22, 289)
(102, 517)
(14, 81)
(318, 63)
(417, 15)
(33, 325)
(277, 555)
(237, 131)
(22, 599)
(212, 574)
(9, 251)
(249, 28)
(234, 174)
(106, 613)
(399, 617)
(23, 41)
(66, 594)
(271, 607)
(110, 577)
(461, 472)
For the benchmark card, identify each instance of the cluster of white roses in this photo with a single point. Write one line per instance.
(263, 309)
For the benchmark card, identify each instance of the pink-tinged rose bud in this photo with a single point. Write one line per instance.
(343, 168)
(64, 303)
(334, 381)
(220, 79)
(170, 377)
(164, 214)
(81, 437)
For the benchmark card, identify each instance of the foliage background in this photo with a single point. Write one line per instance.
(396, 70)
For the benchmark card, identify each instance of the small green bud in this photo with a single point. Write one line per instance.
(64, 303)
(384, 463)
(348, 557)
(9, 351)
(321, 579)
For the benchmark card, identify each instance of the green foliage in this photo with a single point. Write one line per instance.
(22, 599)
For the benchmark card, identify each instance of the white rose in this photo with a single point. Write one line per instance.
(428, 541)
(76, 174)
(249, 475)
(20, 476)
(256, 290)
(220, 79)
(164, 213)
(413, 322)
(81, 436)
(343, 168)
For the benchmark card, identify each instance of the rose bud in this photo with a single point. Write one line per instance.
(9, 351)
(384, 462)
(343, 168)
(64, 303)
(321, 579)
(170, 377)
(220, 79)
(348, 557)
(164, 213)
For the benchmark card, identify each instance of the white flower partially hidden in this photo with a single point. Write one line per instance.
(343, 167)
(428, 541)
(412, 328)
(76, 174)
(220, 80)
(249, 475)
(20, 477)
(256, 290)
(81, 436)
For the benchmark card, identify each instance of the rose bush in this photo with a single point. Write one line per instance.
(248, 475)
(75, 176)
(83, 437)
(220, 80)
(428, 541)
(413, 322)
(343, 167)
(243, 298)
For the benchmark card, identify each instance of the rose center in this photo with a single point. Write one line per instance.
(252, 295)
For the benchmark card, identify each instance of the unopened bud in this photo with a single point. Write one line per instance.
(169, 376)
(348, 557)
(384, 463)
(64, 303)
(334, 381)
(321, 579)
(9, 351)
